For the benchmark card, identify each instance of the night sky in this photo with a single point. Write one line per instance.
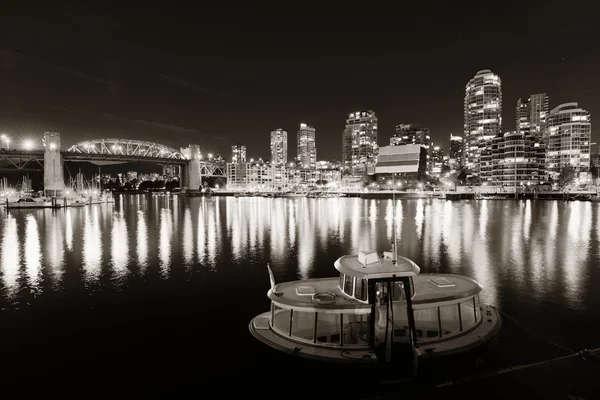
(178, 75)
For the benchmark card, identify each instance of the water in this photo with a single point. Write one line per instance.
(152, 285)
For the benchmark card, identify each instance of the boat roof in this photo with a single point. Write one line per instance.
(443, 287)
(369, 265)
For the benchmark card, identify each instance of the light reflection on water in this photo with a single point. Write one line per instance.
(527, 250)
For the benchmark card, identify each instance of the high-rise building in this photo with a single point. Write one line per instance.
(359, 141)
(436, 160)
(531, 117)
(307, 150)
(568, 135)
(483, 121)
(456, 151)
(238, 153)
(515, 161)
(278, 147)
(410, 134)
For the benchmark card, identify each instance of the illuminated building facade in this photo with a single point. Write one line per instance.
(238, 153)
(482, 121)
(456, 152)
(568, 138)
(411, 134)
(279, 147)
(359, 141)
(307, 150)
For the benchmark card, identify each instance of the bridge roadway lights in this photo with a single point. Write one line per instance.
(54, 182)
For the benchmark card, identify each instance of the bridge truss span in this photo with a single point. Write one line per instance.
(127, 148)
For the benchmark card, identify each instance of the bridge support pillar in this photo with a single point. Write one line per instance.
(191, 174)
(54, 183)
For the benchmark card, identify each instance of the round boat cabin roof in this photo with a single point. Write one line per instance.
(370, 265)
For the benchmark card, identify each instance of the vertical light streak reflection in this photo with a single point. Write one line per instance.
(68, 230)
(373, 222)
(92, 243)
(119, 243)
(516, 250)
(451, 239)
(201, 238)
(355, 227)
(33, 256)
(483, 219)
(11, 253)
(188, 238)
(306, 242)
(527, 221)
(54, 244)
(389, 220)
(434, 215)
(292, 223)
(419, 217)
(164, 240)
(579, 230)
(278, 228)
(399, 220)
(211, 244)
(142, 240)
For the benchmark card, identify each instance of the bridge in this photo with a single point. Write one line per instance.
(193, 167)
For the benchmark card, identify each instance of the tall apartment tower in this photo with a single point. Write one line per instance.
(456, 151)
(568, 136)
(411, 134)
(307, 149)
(483, 121)
(531, 115)
(238, 153)
(359, 141)
(278, 147)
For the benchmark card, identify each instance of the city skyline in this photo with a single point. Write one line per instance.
(108, 83)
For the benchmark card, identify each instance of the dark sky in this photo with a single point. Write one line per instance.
(177, 75)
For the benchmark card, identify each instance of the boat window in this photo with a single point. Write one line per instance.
(342, 279)
(360, 292)
(281, 320)
(328, 328)
(354, 330)
(397, 291)
(467, 314)
(449, 319)
(477, 309)
(426, 323)
(349, 285)
(303, 325)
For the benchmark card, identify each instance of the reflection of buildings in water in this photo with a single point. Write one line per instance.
(55, 250)
(188, 238)
(399, 211)
(92, 243)
(164, 240)
(10, 252)
(355, 228)
(68, 229)
(33, 254)
(142, 240)
(119, 250)
(516, 249)
(433, 235)
(483, 219)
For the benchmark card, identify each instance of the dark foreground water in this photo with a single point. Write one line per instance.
(151, 292)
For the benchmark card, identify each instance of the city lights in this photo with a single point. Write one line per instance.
(28, 144)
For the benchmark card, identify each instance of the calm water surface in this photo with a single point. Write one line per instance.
(151, 283)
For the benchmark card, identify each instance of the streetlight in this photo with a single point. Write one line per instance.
(5, 139)
(28, 144)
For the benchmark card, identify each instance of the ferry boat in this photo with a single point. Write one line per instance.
(380, 309)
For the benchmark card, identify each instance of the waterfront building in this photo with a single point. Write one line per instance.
(568, 138)
(359, 142)
(279, 147)
(515, 162)
(238, 153)
(307, 150)
(411, 134)
(456, 152)
(408, 162)
(482, 121)
(249, 176)
(531, 115)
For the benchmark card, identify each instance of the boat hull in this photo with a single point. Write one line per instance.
(472, 340)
